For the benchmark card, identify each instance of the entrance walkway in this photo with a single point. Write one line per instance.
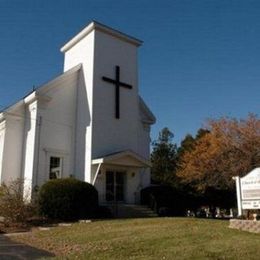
(10, 250)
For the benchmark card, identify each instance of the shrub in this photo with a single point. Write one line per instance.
(1, 191)
(164, 199)
(165, 212)
(220, 198)
(67, 199)
(14, 206)
(103, 212)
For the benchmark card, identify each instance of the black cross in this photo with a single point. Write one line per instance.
(118, 84)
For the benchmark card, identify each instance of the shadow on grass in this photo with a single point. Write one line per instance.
(12, 250)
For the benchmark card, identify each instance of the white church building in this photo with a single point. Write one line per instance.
(89, 122)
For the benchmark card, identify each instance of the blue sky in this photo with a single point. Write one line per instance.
(199, 59)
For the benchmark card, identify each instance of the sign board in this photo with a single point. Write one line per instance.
(248, 191)
(251, 204)
(250, 186)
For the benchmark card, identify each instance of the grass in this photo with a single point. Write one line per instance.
(158, 238)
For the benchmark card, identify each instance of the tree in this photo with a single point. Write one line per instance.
(188, 143)
(163, 158)
(230, 147)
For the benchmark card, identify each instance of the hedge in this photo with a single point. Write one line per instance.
(163, 199)
(68, 199)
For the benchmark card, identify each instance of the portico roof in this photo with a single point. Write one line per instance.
(123, 158)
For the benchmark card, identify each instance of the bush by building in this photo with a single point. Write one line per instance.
(15, 208)
(68, 199)
(165, 200)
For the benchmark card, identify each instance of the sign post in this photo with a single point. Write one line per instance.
(239, 201)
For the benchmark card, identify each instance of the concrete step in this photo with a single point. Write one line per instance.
(131, 211)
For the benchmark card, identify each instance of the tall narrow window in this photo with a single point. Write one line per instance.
(55, 167)
(115, 186)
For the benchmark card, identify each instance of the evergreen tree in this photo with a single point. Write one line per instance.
(201, 132)
(164, 158)
(189, 143)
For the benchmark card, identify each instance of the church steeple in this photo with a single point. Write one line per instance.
(94, 25)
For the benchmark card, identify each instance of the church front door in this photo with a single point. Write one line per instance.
(115, 186)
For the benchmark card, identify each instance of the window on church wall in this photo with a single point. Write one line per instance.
(55, 167)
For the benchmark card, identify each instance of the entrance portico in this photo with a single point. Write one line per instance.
(119, 177)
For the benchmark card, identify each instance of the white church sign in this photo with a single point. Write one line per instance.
(248, 191)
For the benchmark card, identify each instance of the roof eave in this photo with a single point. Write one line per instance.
(151, 117)
(102, 28)
(33, 95)
(109, 159)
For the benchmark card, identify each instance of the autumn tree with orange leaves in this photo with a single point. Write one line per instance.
(230, 148)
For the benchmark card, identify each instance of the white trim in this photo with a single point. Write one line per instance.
(60, 168)
(34, 96)
(47, 169)
(103, 28)
(96, 174)
(110, 158)
(59, 80)
(2, 125)
(50, 152)
(37, 94)
(56, 151)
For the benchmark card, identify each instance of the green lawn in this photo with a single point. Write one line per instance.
(158, 238)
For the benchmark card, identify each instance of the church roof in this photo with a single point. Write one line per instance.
(124, 158)
(39, 92)
(94, 25)
(147, 116)
(71, 73)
